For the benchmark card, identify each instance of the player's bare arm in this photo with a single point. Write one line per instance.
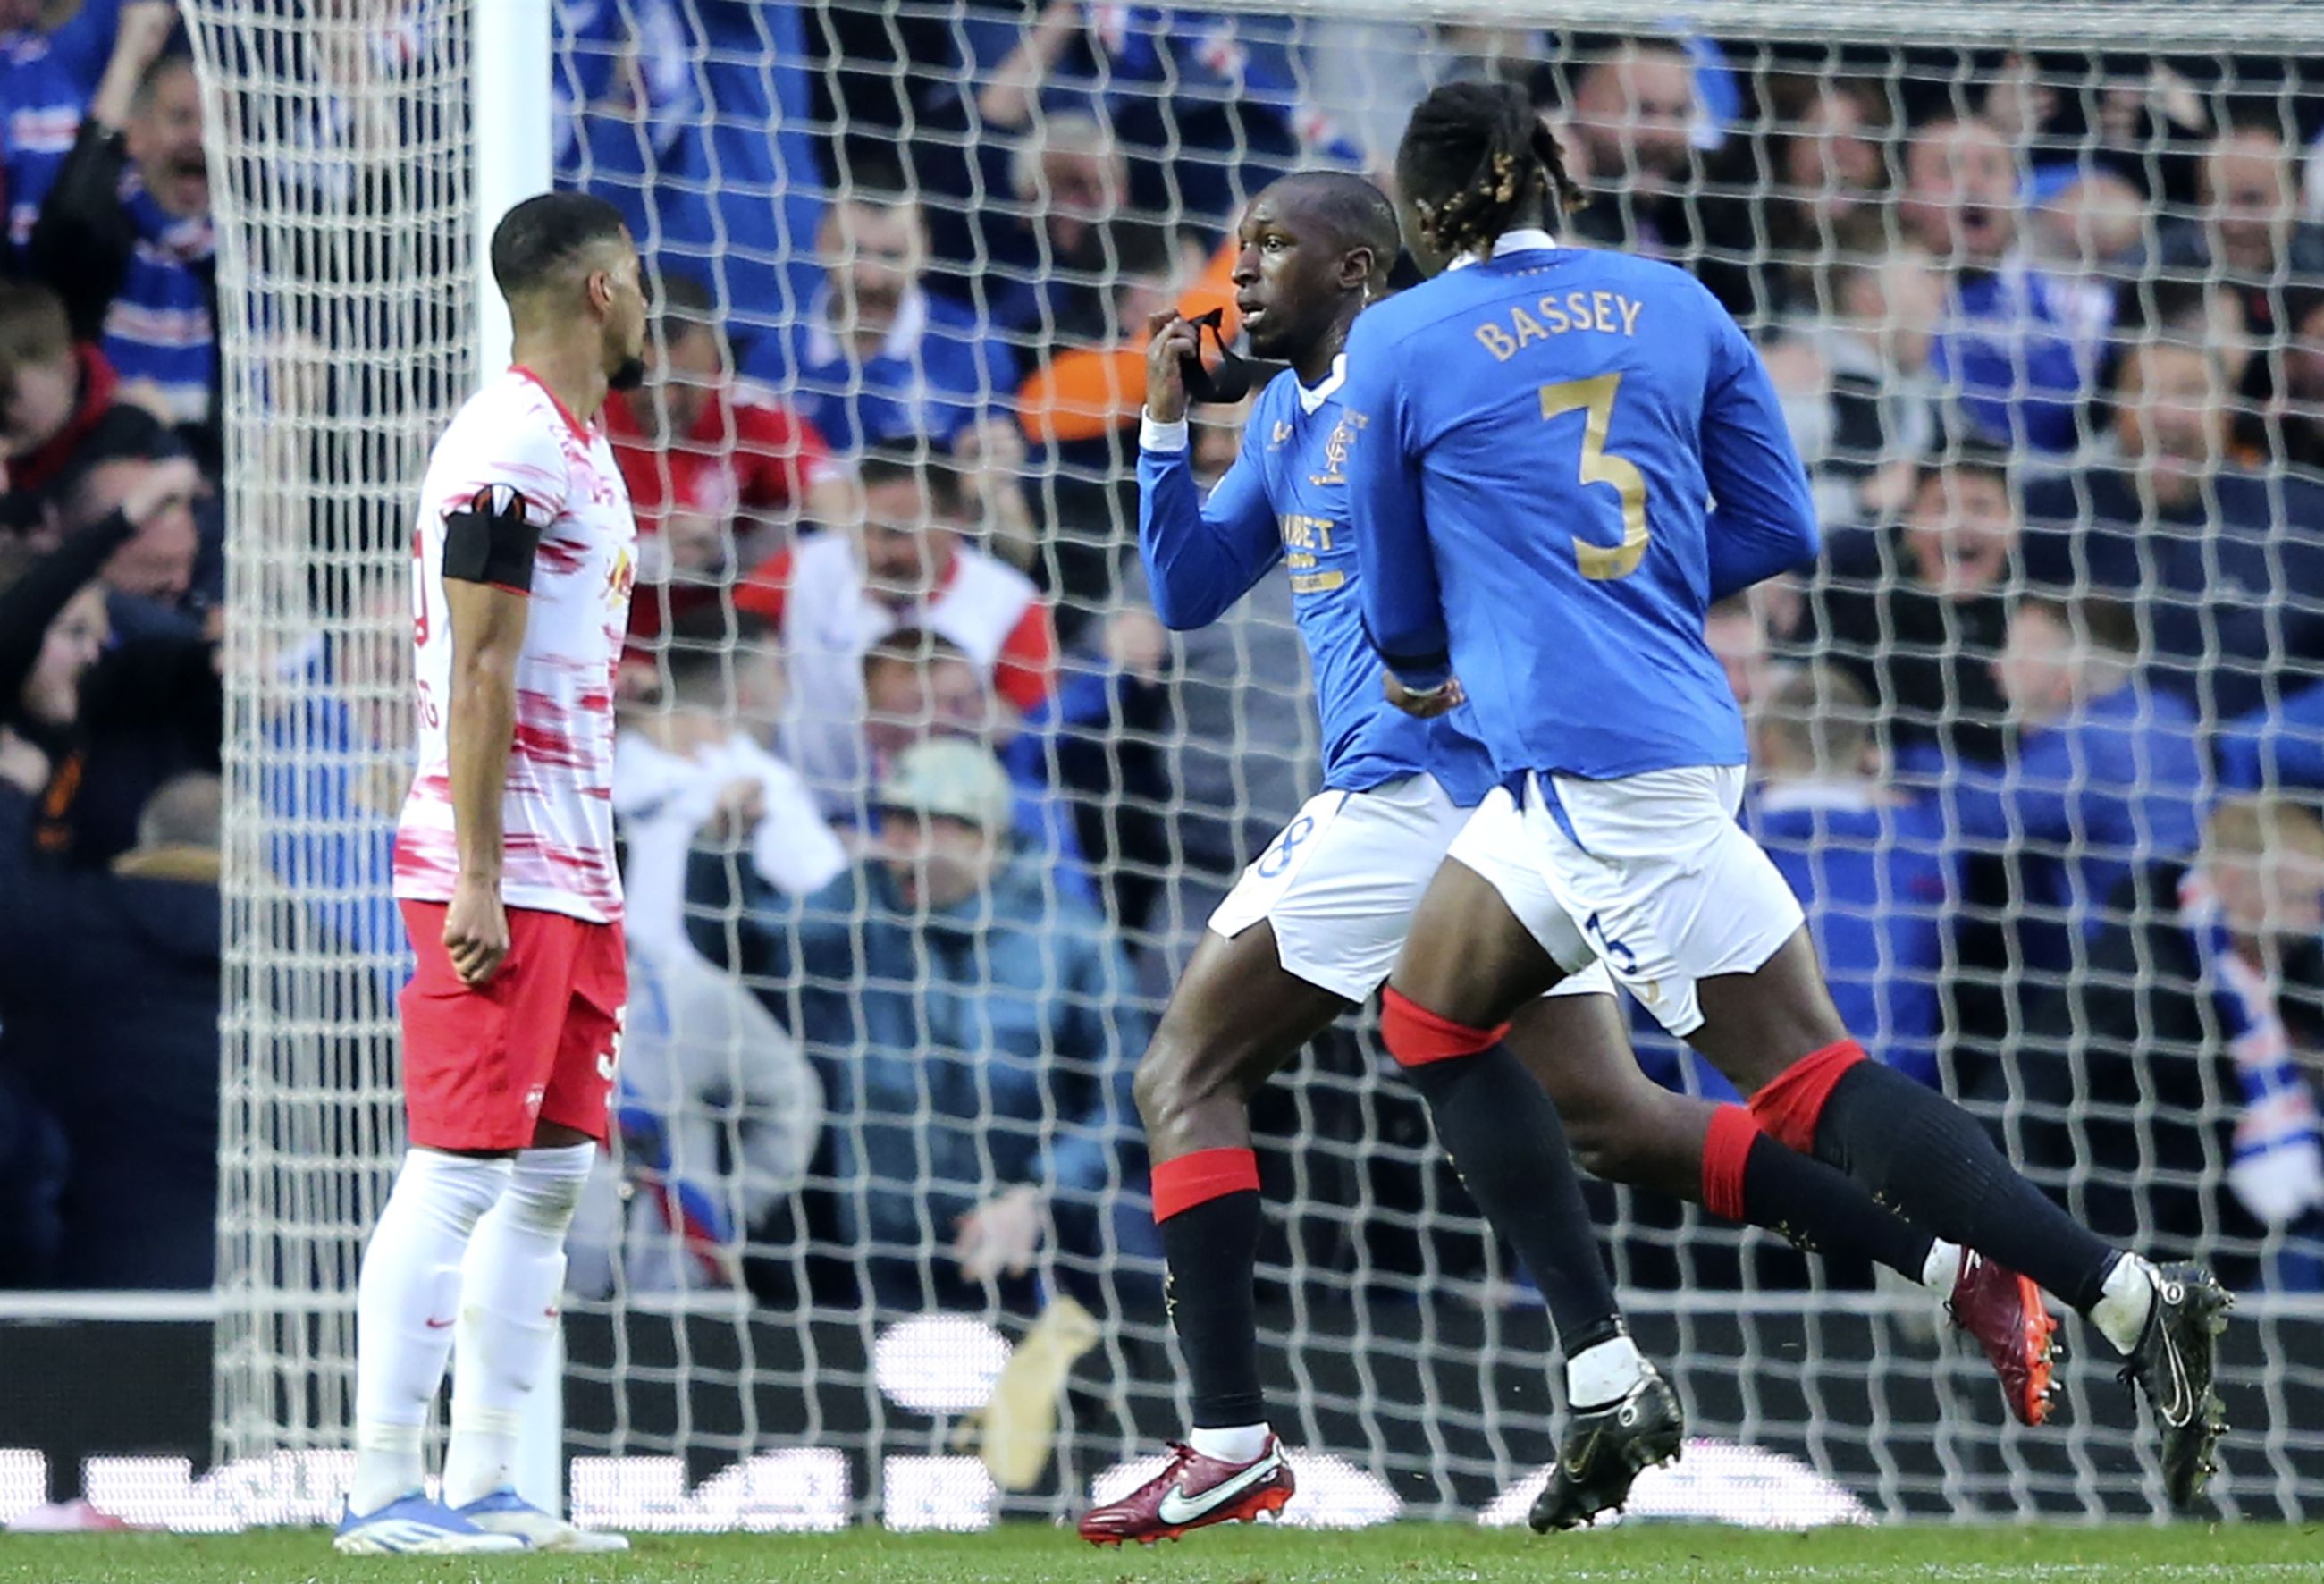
(487, 633)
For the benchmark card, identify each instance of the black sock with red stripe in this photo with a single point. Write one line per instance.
(1748, 1176)
(1917, 1151)
(1508, 1145)
(1207, 1207)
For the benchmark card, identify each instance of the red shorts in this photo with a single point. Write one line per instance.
(538, 1041)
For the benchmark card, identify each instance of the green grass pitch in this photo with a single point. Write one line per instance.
(1402, 1553)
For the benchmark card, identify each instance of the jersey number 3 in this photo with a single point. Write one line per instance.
(1595, 398)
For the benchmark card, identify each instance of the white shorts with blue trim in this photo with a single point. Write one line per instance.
(1661, 883)
(1341, 883)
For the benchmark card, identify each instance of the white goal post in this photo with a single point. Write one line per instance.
(360, 154)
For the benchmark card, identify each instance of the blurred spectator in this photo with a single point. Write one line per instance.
(899, 563)
(1627, 132)
(40, 107)
(2218, 558)
(698, 763)
(2190, 1045)
(125, 235)
(1870, 869)
(974, 1034)
(1805, 191)
(1916, 614)
(1070, 184)
(713, 468)
(336, 771)
(1368, 75)
(2018, 348)
(2105, 774)
(32, 1153)
(718, 1110)
(2295, 415)
(1739, 637)
(1213, 104)
(154, 567)
(116, 722)
(2249, 241)
(2278, 747)
(110, 993)
(877, 359)
(1859, 397)
(919, 685)
(64, 406)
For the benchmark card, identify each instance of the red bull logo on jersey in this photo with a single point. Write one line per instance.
(622, 579)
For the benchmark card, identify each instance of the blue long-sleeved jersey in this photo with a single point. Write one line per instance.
(1286, 498)
(1538, 439)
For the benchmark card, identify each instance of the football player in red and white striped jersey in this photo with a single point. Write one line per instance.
(523, 555)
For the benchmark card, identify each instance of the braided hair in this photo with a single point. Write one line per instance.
(1475, 159)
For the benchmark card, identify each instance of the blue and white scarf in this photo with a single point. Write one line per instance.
(2277, 1165)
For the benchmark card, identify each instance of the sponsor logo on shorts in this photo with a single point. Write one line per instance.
(534, 1096)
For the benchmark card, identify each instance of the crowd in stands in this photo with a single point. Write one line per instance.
(922, 807)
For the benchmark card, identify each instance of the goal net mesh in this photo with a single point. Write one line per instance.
(2043, 296)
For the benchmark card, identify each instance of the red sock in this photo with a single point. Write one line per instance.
(1190, 1180)
(1789, 1109)
(1726, 1151)
(1415, 1036)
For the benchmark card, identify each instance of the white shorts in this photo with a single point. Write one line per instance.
(1342, 882)
(1664, 886)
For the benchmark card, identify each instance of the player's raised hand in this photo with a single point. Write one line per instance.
(1174, 339)
(475, 932)
(1424, 706)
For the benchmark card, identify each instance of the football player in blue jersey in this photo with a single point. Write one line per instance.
(1561, 457)
(1315, 925)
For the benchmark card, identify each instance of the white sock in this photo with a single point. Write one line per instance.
(2127, 1299)
(1235, 1443)
(509, 1293)
(1942, 1269)
(405, 1304)
(1600, 1375)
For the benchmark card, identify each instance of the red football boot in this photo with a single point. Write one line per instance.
(2004, 1312)
(1193, 1492)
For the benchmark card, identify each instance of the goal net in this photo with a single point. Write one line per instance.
(2038, 739)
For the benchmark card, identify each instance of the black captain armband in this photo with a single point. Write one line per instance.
(491, 540)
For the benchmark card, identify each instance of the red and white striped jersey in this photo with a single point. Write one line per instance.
(557, 811)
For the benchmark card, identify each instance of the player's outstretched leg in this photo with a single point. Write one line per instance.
(1235, 1018)
(1915, 1149)
(405, 1304)
(1625, 1127)
(511, 1281)
(1498, 1124)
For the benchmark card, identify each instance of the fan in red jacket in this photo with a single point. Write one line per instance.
(703, 456)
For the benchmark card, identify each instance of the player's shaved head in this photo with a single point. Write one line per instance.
(1313, 248)
(1347, 211)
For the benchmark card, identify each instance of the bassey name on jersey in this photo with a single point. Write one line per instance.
(1511, 328)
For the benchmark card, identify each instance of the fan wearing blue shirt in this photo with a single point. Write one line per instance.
(877, 359)
(1547, 443)
(2106, 777)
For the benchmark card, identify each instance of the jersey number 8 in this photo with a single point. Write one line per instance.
(1595, 398)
